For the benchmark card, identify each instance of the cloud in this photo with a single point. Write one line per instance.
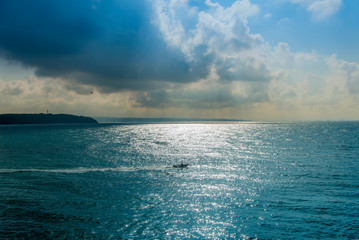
(324, 8)
(166, 58)
(132, 45)
(282, 56)
(311, 86)
(216, 40)
(112, 46)
(348, 72)
(11, 89)
(267, 15)
(321, 9)
(220, 38)
(37, 95)
(207, 94)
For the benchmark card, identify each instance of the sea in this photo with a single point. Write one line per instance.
(244, 180)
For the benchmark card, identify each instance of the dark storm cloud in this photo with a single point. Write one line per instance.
(31, 30)
(109, 44)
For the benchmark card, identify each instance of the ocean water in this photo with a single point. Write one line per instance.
(245, 180)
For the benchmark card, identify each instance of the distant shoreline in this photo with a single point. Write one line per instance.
(164, 120)
(42, 118)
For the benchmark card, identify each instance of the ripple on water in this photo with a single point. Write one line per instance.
(244, 181)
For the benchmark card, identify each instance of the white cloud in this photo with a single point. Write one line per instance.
(267, 15)
(309, 93)
(320, 9)
(220, 37)
(283, 57)
(250, 75)
(347, 72)
(324, 8)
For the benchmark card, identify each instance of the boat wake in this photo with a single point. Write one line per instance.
(87, 170)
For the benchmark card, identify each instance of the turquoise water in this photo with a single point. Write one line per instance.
(245, 180)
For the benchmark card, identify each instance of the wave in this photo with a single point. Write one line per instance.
(86, 170)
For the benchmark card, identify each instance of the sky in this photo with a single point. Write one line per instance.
(244, 59)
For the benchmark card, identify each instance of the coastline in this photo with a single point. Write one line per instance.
(42, 118)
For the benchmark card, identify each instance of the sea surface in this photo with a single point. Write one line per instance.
(245, 180)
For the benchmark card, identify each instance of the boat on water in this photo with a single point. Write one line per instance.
(182, 165)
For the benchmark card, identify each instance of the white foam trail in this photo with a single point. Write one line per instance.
(86, 170)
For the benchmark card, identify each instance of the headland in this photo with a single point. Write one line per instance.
(42, 118)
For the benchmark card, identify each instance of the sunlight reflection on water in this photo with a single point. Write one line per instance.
(204, 199)
(224, 178)
(244, 180)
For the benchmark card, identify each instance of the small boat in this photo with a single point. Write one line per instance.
(182, 165)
